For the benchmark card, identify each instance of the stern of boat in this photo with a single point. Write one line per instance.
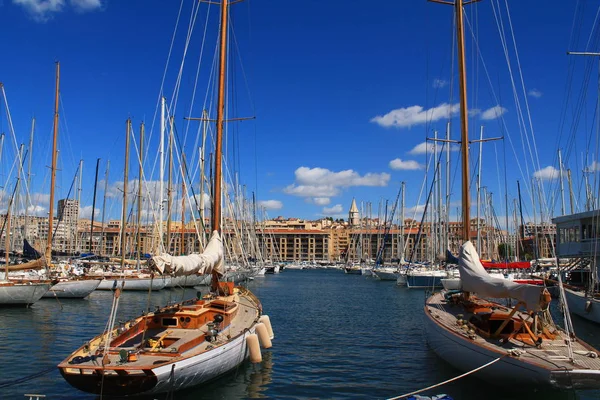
(109, 381)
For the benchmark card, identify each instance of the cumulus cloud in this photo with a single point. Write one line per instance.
(535, 93)
(493, 113)
(418, 209)
(271, 204)
(37, 211)
(337, 209)
(322, 201)
(546, 173)
(321, 182)
(398, 164)
(44, 10)
(415, 115)
(439, 83)
(593, 167)
(427, 147)
(86, 212)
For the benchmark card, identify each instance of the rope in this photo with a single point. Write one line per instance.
(26, 378)
(449, 380)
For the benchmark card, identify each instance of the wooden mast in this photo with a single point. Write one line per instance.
(170, 186)
(124, 211)
(216, 211)
(53, 168)
(464, 121)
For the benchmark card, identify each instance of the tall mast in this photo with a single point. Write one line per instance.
(216, 214)
(53, 168)
(94, 207)
(562, 186)
(78, 202)
(18, 188)
(216, 209)
(101, 246)
(28, 191)
(202, 174)
(170, 186)
(124, 211)
(162, 174)
(464, 121)
(183, 195)
(139, 199)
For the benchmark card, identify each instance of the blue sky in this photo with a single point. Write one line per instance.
(343, 92)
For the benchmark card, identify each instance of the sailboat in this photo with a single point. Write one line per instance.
(184, 344)
(518, 345)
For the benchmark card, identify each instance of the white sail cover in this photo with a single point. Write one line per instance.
(210, 260)
(474, 278)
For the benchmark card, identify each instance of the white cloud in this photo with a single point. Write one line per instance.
(37, 211)
(311, 190)
(493, 113)
(337, 209)
(427, 147)
(322, 201)
(271, 204)
(86, 212)
(414, 115)
(593, 167)
(321, 182)
(547, 173)
(86, 5)
(439, 83)
(44, 10)
(398, 164)
(418, 209)
(535, 93)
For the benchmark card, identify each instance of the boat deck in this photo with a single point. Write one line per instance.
(551, 354)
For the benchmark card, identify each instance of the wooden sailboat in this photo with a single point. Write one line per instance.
(519, 345)
(186, 344)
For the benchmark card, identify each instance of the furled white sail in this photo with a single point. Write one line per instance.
(475, 279)
(210, 260)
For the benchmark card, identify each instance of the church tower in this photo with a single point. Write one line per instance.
(353, 217)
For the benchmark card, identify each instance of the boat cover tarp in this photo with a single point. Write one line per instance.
(475, 279)
(211, 259)
(506, 265)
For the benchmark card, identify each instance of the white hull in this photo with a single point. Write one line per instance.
(401, 281)
(386, 275)
(578, 304)
(451, 283)
(22, 294)
(461, 353)
(135, 283)
(202, 368)
(366, 271)
(73, 289)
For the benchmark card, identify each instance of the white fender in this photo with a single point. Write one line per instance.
(254, 348)
(267, 321)
(263, 335)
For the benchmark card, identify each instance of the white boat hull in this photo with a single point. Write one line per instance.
(135, 283)
(73, 289)
(22, 294)
(462, 354)
(386, 275)
(202, 368)
(578, 305)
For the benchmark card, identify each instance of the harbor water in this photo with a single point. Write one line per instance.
(337, 336)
